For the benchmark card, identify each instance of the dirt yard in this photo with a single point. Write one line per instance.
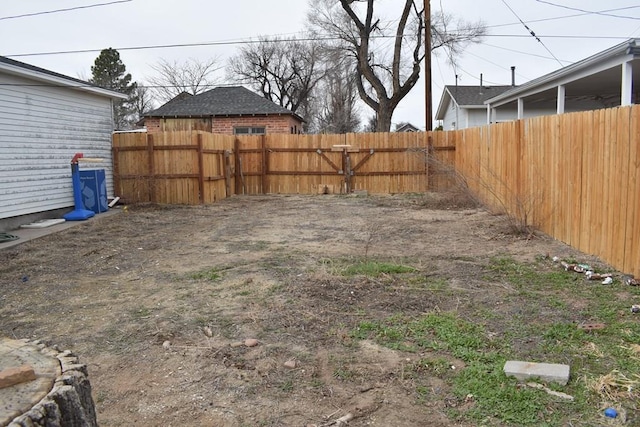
(159, 301)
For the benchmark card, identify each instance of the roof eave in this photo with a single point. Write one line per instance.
(628, 48)
(441, 111)
(201, 116)
(59, 81)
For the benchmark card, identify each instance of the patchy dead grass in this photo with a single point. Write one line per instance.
(392, 308)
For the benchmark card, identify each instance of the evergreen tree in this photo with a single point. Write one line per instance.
(108, 71)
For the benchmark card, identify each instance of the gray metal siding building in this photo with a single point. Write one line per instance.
(45, 118)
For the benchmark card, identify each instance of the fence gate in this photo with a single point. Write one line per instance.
(308, 164)
(346, 170)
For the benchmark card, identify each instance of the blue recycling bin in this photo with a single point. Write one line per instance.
(93, 188)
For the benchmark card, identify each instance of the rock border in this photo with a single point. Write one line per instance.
(69, 403)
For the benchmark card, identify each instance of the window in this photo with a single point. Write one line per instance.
(247, 130)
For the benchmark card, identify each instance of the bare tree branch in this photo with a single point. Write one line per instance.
(191, 76)
(285, 72)
(387, 75)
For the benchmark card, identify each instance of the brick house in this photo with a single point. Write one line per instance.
(224, 110)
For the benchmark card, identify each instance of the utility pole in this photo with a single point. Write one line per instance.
(427, 65)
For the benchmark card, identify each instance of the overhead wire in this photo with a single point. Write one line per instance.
(250, 41)
(560, 36)
(522, 52)
(47, 12)
(588, 11)
(478, 78)
(495, 64)
(531, 32)
(283, 40)
(575, 15)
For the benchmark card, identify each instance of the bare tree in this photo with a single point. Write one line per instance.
(285, 72)
(191, 76)
(338, 99)
(142, 101)
(371, 124)
(387, 73)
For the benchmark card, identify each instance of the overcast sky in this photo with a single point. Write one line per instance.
(162, 22)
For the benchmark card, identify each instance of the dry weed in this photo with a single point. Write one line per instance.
(592, 350)
(616, 386)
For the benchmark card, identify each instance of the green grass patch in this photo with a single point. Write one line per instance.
(528, 276)
(497, 398)
(210, 274)
(376, 269)
(141, 313)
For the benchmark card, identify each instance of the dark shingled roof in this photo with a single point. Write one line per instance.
(220, 101)
(475, 95)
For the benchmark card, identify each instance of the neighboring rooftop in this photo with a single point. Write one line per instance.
(407, 127)
(468, 96)
(475, 95)
(220, 101)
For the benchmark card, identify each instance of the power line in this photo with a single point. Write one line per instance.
(588, 11)
(478, 78)
(563, 17)
(564, 36)
(241, 42)
(502, 67)
(63, 10)
(522, 52)
(169, 46)
(531, 32)
(89, 85)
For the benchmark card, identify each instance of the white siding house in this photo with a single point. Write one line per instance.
(45, 118)
(463, 107)
(606, 79)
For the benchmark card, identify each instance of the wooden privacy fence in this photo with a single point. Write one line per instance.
(199, 167)
(574, 176)
(172, 167)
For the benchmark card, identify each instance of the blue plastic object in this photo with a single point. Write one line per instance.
(93, 186)
(79, 213)
(611, 413)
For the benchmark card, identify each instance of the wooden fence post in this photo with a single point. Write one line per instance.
(264, 164)
(237, 166)
(116, 166)
(227, 173)
(200, 168)
(346, 159)
(152, 171)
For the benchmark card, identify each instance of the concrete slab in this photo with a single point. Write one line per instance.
(549, 372)
(27, 234)
(44, 223)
